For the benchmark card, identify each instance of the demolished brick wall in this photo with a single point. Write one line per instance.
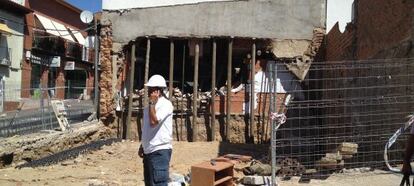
(301, 67)
(382, 24)
(339, 46)
(381, 29)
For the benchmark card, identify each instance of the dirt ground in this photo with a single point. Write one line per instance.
(118, 164)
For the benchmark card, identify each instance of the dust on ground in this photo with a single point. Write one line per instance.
(119, 164)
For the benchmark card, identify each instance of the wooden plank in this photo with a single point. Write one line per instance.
(218, 166)
(213, 91)
(229, 69)
(171, 78)
(201, 176)
(251, 107)
(195, 91)
(130, 93)
(222, 180)
(147, 59)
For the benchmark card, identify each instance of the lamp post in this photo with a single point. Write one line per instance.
(87, 17)
(96, 61)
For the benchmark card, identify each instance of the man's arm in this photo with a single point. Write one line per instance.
(409, 150)
(153, 115)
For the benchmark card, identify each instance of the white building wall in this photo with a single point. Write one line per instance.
(12, 74)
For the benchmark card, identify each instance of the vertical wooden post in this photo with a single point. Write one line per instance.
(182, 95)
(213, 91)
(171, 69)
(252, 93)
(129, 132)
(147, 58)
(228, 100)
(195, 91)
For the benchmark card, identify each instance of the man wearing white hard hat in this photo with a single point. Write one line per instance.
(156, 146)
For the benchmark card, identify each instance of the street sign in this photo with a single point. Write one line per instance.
(70, 65)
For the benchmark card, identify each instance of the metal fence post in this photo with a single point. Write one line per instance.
(41, 104)
(273, 108)
(69, 95)
(2, 94)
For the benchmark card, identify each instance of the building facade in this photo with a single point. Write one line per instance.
(12, 14)
(57, 54)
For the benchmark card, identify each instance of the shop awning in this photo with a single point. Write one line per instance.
(4, 29)
(48, 25)
(55, 28)
(63, 31)
(78, 36)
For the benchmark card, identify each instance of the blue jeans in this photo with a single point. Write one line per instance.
(156, 167)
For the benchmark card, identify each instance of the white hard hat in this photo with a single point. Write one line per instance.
(156, 81)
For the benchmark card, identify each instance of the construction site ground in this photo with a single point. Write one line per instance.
(119, 164)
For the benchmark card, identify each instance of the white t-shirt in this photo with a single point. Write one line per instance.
(261, 83)
(160, 136)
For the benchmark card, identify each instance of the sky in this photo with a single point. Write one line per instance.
(91, 5)
(338, 11)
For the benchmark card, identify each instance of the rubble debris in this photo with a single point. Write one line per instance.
(335, 161)
(68, 154)
(258, 168)
(348, 148)
(238, 157)
(177, 179)
(257, 180)
(300, 64)
(290, 167)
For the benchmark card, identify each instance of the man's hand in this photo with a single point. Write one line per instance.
(141, 152)
(406, 169)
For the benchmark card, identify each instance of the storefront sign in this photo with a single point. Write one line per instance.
(51, 61)
(55, 61)
(70, 65)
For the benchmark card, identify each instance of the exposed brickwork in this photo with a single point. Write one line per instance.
(339, 46)
(10, 106)
(26, 78)
(379, 25)
(60, 82)
(105, 82)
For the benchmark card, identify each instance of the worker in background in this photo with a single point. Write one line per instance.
(156, 146)
(260, 82)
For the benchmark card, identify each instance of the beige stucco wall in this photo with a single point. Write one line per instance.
(12, 74)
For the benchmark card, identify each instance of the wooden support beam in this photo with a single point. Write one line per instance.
(228, 103)
(171, 91)
(252, 93)
(129, 132)
(147, 59)
(213, 91)
(195, 91)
